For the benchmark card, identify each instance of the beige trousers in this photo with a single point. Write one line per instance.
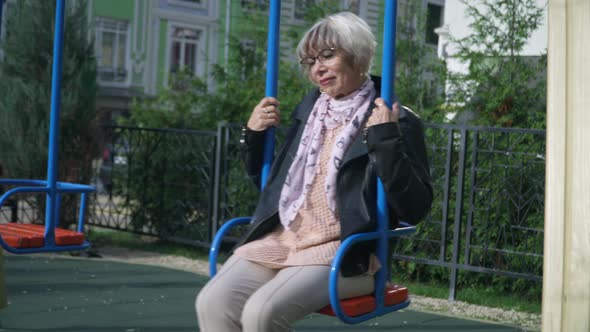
(245, 296)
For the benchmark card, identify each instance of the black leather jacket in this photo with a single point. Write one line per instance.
(393, 151)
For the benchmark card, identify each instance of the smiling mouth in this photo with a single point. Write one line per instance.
(325, 81)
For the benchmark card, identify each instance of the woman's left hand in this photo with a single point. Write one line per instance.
(382, 114)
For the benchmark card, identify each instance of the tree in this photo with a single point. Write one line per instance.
(501, 87)
(240, 84)
(189, 103)
(25, 90)
(420, 75)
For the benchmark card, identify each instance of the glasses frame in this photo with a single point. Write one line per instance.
(310, 61)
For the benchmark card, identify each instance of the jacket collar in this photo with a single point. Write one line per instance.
(357, 149)
(302, 112)
(358, 146)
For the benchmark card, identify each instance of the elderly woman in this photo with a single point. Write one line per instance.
(321, 188)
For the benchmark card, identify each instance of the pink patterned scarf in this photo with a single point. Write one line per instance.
(327, 114)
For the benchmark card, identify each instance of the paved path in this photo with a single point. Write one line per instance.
(95, 295)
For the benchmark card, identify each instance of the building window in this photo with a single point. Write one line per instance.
(184, 49)
(187, 3)
(301, 7)
(261, 5)
(112, 50)
(434, 19)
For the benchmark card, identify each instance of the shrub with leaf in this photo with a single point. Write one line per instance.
(501, 87)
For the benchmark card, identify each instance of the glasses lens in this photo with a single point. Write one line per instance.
(323, 55)
(307, 61)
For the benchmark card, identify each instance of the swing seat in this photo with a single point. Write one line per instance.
(29, 238)
(33, 236)
(357, 306)
(356, 309)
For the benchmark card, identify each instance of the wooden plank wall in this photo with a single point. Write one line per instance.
(566, 277)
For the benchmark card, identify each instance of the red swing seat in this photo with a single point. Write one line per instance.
(33, 236)
(356, 306)
(395, 295)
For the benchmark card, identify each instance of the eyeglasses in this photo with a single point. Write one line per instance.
(324, 55)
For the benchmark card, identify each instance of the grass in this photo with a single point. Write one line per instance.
(100, 238)
(477, 295)
(489, 298)
(485, 296)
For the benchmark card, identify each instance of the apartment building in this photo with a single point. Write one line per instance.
(141, 43)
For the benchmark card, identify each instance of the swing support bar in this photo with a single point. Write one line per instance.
(272, 74)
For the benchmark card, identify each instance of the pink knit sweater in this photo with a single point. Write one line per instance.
(314, 234)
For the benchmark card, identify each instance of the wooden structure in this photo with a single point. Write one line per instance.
(566, 277)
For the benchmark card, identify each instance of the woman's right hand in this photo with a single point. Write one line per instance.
(265, 114)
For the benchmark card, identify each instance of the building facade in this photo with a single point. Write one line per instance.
(141, 43)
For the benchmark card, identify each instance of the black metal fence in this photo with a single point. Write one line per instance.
(156, 181)
(487, 214)
(182, 185)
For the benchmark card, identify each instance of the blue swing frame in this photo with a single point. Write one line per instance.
(382, 234)
(51, 187)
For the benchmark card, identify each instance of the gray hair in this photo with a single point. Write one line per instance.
(344, 31)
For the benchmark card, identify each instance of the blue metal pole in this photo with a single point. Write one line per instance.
(388, 66)
(52, 166)
(387, 86)
(272, 66)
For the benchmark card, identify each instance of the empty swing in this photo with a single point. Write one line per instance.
(386, 298)
(28, 238)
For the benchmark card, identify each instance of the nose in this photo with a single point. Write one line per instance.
(318, 68)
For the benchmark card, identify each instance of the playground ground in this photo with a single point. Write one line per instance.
(52, 293)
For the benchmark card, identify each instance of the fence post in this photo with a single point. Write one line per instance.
(458, 214)
(14, 210)
(446, 194)
(472, 183)
(211, 204)
(216, 184)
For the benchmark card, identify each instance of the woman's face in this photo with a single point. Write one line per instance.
(334, 73)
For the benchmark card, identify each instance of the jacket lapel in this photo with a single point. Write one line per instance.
(358, 146)
(357, 149)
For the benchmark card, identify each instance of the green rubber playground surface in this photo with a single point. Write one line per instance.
(91, 295)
